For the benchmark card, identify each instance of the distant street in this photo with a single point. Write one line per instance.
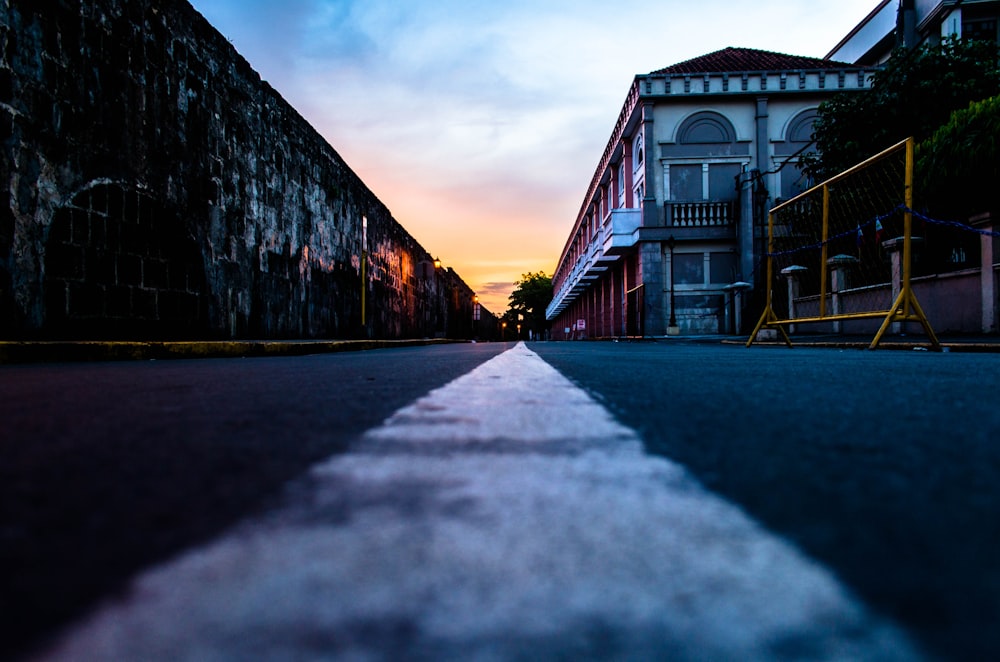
(668, 500)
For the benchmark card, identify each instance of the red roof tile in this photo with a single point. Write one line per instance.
(730, 60)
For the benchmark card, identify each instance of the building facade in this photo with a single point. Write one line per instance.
(670, 235)
(913, 22)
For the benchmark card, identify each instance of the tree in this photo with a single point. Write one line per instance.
(914, 94)
(959, 165)
(528, 301)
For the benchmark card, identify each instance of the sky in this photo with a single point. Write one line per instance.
(479, 123)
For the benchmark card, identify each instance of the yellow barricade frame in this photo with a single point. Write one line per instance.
(905, 308)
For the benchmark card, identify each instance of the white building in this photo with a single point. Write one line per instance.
(671, 224)
(913, 22)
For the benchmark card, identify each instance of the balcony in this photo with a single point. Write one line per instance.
(620, 230)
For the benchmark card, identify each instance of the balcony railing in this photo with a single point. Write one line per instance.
(700, 214)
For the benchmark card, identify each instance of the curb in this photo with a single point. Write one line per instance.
(65, 351)
(963, 347)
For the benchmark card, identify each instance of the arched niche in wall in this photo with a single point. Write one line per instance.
(705, 134)
(798, 133)
(797, 140)
(706, 128)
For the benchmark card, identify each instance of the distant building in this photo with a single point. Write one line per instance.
(676, 208)
(913, 22)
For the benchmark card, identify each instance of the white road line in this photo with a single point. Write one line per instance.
(505, 515)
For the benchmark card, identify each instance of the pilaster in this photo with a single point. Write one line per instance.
(651, 275)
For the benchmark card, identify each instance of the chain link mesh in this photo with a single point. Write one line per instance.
(840, 265)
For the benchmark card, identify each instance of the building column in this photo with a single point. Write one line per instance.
(651, 277)
(761, 138)
(627, 171)
(650, 210)
(987, 277)
(794, 274)
(839, 265)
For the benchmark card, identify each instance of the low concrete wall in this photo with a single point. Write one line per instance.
(153, 186)
(951, 301)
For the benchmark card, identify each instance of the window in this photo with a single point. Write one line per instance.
(689, 268)
(793, 181)
(621, 185)
(722, 180)
(984, 29)
(687, 181)
(722, 268)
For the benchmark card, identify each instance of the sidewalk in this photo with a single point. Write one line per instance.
(917, 341)
(97, 350)
(950, 343)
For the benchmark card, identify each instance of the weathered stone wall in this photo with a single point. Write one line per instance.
(152, 186)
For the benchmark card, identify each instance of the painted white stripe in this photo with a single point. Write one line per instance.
(505, 515)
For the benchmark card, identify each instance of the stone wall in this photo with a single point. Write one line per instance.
(153, 186)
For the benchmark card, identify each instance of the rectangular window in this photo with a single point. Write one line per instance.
(621, 185)
(793, 181)
(984, 29)
(722, 268)
(722, 180)
(685, 182)
(689, 268)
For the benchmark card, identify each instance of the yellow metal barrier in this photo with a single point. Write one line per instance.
(862, 217)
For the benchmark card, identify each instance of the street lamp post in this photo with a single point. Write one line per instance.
(672, 328)
(475, 315)
(364, 275)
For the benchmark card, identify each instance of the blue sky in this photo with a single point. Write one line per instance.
(479, 124)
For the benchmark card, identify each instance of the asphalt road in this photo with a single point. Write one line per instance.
(107, 468)
(884, 465)
(735, 504)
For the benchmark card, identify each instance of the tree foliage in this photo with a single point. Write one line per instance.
(531, 295)
(914, 94)
(959, 165)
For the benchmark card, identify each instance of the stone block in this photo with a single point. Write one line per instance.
(99, 266)
(119, 301)
(145, 304)
(129, 270)
(155, 274)
(64, 262)
(86, 300)
(80, 228)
